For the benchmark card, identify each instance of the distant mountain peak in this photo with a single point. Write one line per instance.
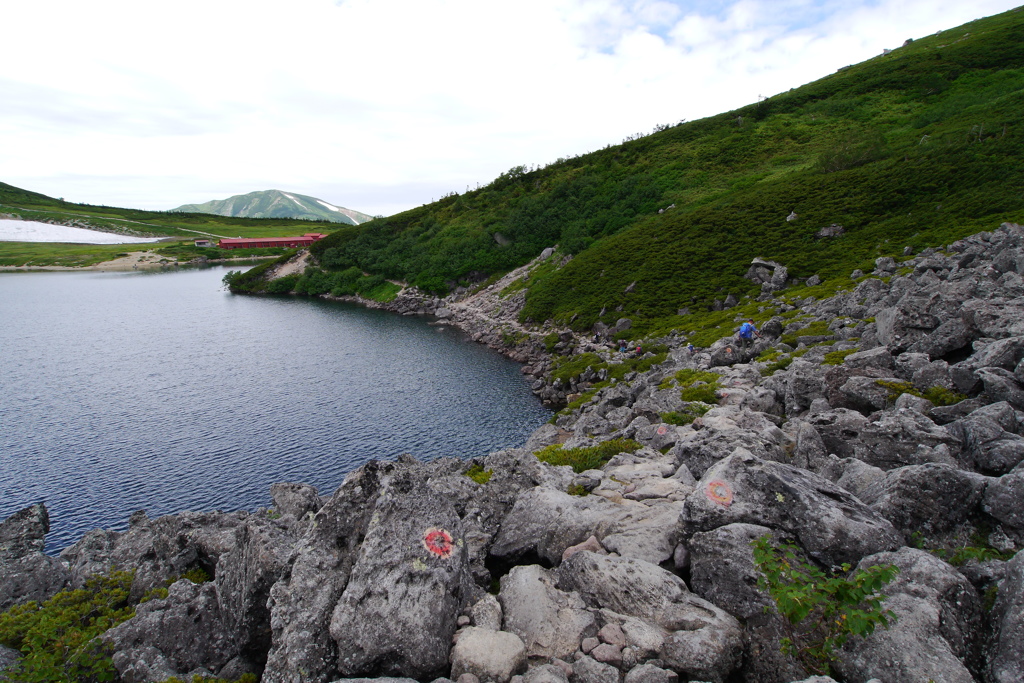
(277, 204)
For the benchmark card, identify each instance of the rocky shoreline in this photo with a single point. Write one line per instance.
(889, 432)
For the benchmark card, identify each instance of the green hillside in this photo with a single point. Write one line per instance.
(35, 206)
(184, 226)
(278, 204)
(914, 148)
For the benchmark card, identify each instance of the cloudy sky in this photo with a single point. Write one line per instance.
(383, 105)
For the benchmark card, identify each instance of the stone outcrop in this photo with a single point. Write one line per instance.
(26, 573)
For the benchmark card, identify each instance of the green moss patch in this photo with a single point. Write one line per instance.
(583, 459)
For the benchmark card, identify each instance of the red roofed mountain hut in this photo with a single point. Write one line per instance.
(260, 242)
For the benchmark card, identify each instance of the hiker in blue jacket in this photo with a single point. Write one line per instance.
(747, 332)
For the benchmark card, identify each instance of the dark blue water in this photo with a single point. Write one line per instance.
(163, 392)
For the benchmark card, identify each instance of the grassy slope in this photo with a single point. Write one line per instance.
(848, 149)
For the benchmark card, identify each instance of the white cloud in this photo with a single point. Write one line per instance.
(381, 105)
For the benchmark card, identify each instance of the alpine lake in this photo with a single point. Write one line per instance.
(163, 392)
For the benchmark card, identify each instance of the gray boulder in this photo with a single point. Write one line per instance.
(244, 576)
(1002, 385)
(546, 673)
(1006, 656)
(302, 604)
(550, 622)
(158, 549)
(8, 658)
(990, 444)
(704, 642)
(879, 358)
(894, 440)
(491, 656)
(409, 582)
(866, 394)
(487, 613)
(857, 476)
(1003, 353)
(996, 318)
(26, 573)
(592, 671)
(928, 498)
(647, 673)
(722, 571)
(293, 499)
(545, 435)
(936, 635)
(805, 383)
(830, 523)
(1004, 499)
(548, 522)
(722, 430)
(180, 635)
(722, 568)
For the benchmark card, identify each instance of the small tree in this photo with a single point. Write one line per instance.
(821, 610)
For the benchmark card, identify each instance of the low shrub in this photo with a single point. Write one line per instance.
(583, 459)
(577, 490)
(822, 610)
(837, 357)
(815, 329)
(59, 638)
(690, 413)
(780, 364)
(939, 396)
(478, 474)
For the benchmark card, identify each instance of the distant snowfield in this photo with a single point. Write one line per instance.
(31, 231)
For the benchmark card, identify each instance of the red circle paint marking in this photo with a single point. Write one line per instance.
(719, 492)
(438, 542)
(662, 430)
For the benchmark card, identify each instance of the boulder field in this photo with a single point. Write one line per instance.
(890, 433)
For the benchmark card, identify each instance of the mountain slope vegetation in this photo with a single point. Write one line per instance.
(277, 204)
(917, 147)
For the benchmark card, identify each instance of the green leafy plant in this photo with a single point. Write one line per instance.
(577, 490)
(939, 396)
(59, 638)
(686, 416)
(478, 474)
(583, 459)
(837, 357)
(815, 329)
(821, 609)
(696, 385)
(780, 364)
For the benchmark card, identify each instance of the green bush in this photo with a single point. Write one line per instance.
(59, 639)
(583, 459)
(478, 474)
(780, 364)
(837, 357)
(815, 329)
(567, 367)
(939, 396)
(821, 610)
(690, 413)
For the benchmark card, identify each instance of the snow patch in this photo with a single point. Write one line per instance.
(293, 199)
(329, 206)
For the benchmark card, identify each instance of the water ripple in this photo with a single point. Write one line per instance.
(161, 392)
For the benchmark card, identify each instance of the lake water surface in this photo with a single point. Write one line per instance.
(163, 392)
